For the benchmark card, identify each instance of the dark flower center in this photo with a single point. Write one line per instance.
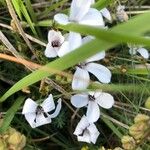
(55, 43)
(40, 110)
(91, 97)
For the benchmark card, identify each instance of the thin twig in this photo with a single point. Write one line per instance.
(115, 121)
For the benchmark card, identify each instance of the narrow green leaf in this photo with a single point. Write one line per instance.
(27, 17)
(102, 3)
(16, 5)
(10, 114)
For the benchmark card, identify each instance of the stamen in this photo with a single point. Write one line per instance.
(55, 43)
(91, 97)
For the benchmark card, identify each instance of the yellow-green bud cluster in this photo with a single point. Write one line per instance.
(12, 140)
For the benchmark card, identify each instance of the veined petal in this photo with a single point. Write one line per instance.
(93, 112)
(99, 71)
(42, 120)
(105, 12)
(78, 9)
(85, 137)
(64, 49)
(74, 40)
(80, 80)
(93, 18)
(29, 106)
(30, 117)
(48, 104)
(81, 126)
(144, 52)
(96, 57)
(105, 100)
(58, 108)
(61, 19)
(94, 133)
(79, 100)
(55, 36)
(50, 51)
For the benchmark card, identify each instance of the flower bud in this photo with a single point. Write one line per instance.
(17, 139)
(141, 117)
(128, 142)
(137, 130)
(147, 103)
(2, 144)
(85, 148)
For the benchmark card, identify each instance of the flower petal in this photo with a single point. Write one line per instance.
(99, 71)
(50, 51)
(144, 52)
(30, 117)
(81, 126)
(94, 133)
(42, 120)
(105, 100)
(85, 137)
(93, 18)
(105, 12)
(87, 39)
(58, 108)
(80, 80)
(93, 112)
(61, 19)
(79, 100)
(48, 104)
(55, 35)
(74, 40)
(64, 49)
(79, 8)
(96, 57)
(29, 106)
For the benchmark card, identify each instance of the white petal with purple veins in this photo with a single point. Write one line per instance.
(99, 71)
(93, 112)
(144, 52)
(80, 80)
(61, 19)
(50, 51)
(79, 100)
(105, 100)
(29, 106)
(105, 12)
(93, 17)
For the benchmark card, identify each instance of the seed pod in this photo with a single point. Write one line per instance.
(128, 142)
(141, 117)
(138, 130)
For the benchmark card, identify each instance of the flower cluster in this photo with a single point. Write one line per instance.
(59, 45)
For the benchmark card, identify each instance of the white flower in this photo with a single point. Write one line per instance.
(55, 40)
(38, 115)
(86, 131)
(81, 76)
(93, 100)
(72, 42)
(80, 12)
(142, 51)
